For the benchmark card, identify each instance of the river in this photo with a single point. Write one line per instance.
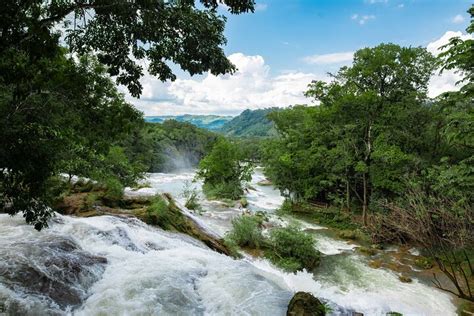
(121, 266)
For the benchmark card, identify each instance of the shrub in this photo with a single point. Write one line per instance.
(292, 249)
(191, 196)
(244, 202)
(224, 190)
(157, 212)
(224, 170)
(246, 231)
(113, 189)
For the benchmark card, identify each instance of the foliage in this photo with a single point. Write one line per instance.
(61, 113)
(223, 171)
(64, 117)
(191, 196)
(117, 30)
(445, 231)
(158, 213)
(208, 122)
(175, 145)
(246, 231)
(374, 129)
(292, 249)
(250, 123)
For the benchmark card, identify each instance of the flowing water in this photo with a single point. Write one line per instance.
(111, 265)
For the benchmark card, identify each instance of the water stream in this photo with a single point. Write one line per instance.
(120, 266)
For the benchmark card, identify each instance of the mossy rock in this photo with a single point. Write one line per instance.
(375, 264)
(305, 304)
(367, 251)
(347, 234)
(164, 213)
(405, 279)
(424, 263)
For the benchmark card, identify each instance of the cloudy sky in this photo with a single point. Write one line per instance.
(285, 44)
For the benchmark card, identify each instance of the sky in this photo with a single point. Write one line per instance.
(285, 44)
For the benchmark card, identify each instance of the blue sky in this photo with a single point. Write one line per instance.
(285, 44)
(284, 31)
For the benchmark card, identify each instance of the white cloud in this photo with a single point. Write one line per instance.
(261, 7)
(252, 86)
(445, 81)
(401, 6)
(434, 46)
(458, 19)
(335, 58)
(362, 19)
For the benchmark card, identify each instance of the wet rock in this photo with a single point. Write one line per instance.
(54, 268)
(174, 219)
(367, 251)
(305, 304)
(405, 279)
(424, 263)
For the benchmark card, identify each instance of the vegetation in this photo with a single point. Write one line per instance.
(61, 114)
(292, 249)
(224, 170)
(209, 122)
(288, 247)
(378, 146)
(250, 123)
(191, 196)
(246, 232)
(174, 145)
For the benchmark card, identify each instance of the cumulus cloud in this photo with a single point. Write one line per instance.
(334, 58)
(446, 81)
(252, 86)
(458, 19)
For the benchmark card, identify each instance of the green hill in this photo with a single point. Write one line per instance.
(210, 122)
(250, 123)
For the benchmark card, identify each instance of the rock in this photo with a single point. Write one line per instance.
(87, 204)
(367, 251)
(305, 304)
(424, 263)
(347, 234)
(264, 182)
(405, 279)
(175, 219)
(357, 314)
(55, 268)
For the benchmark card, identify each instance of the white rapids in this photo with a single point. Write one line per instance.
(153, 272)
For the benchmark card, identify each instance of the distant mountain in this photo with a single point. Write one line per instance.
(250, 123)
(210, 122)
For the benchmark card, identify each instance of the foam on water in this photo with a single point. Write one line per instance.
(152, 272)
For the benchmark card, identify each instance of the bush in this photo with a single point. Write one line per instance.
(224, 170)
(246, 232)
(191, 196)
(113, 189)
(157, 212)
(231, 191)
(292, 249)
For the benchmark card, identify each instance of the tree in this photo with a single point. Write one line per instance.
(123, 32)
(365, 136)
(59, 114)
(223, 171)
